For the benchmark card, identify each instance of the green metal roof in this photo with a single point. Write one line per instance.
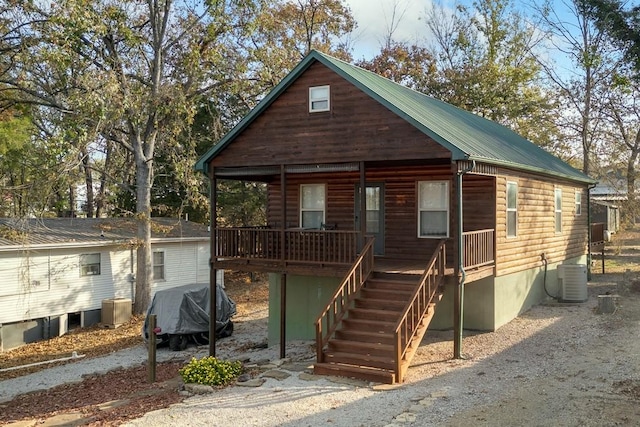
(467, 135)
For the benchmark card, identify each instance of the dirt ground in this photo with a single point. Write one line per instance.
(590, 377)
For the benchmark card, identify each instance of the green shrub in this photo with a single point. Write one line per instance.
(210, 371)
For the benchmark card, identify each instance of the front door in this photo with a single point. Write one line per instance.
(375, 214)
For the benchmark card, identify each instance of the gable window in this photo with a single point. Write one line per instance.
(158, 265)
(319, 99)
(433, 209)
(512, 209)
(558, 209)
(578, 202)
(89, 265)
(312, 205)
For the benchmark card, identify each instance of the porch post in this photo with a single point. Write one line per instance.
(283, 277)
(363, 204)
(283, 314)
(213, 294)
(458, 288)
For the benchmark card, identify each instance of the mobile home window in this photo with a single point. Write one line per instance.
(578, 203)
(433, 209)
(89, 265)
(558, 207)
(312, 205)
(319, 99)
(158, 265)
(512, 209)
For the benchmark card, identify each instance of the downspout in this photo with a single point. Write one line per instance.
(459, 327)
(589, 188)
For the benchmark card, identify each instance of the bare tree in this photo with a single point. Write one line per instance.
(587, 60)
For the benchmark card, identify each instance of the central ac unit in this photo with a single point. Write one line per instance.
(115, 312)
(572, 283)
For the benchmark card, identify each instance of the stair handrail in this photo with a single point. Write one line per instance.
(335, 310)
(417, 308)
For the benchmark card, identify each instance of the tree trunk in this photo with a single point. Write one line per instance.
(100, 197)
(88, 179)
(143, 218)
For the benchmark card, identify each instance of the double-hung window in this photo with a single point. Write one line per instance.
(578, 202)
(158, 265)
(433, 209)
(558, 210)
(89, 265)
(512, 209)
(319, 99)
(312, 205)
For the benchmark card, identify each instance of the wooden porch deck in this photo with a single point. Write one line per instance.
(332, 253)
(416, 268)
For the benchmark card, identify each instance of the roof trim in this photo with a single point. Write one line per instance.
(527, 168)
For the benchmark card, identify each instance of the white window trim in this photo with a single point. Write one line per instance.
(312, 100)
(512, 184)
(578, 204)
(164, 265)
(433, 210)
(303, 209)
(557, 210)
(82, 265)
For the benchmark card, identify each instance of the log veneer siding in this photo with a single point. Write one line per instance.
(536, 224)
(357, 128)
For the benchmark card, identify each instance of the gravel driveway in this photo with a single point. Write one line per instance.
(558, 364)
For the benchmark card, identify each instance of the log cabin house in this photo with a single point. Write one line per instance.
(389, 211)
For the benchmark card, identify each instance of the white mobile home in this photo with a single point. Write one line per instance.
(55, 274)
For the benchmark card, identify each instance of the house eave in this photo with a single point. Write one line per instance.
(578, 177)
(97, 244)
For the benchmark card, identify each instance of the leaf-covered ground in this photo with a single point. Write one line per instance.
(117, 396)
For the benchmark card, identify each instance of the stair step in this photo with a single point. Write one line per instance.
(380, 304)
(362, 373)
(387, 294)
(354, 359)
(407, 285)
(361, 347)
(374, 337)
(395, 277)
(366, 325)
(373, 314)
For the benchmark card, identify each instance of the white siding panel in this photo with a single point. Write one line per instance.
(67, 291)
(180, 262)
(123, 271)
(25, 284)
(203, 262)
(48, 283)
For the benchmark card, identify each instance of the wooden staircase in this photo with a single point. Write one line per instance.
(363, 345)
(373, 323)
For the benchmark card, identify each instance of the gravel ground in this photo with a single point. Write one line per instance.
(557, 364)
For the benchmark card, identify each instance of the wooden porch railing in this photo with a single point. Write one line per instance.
(334, 312)
(304, 246)
(417, 308)
(479, 249)
(321, 246)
